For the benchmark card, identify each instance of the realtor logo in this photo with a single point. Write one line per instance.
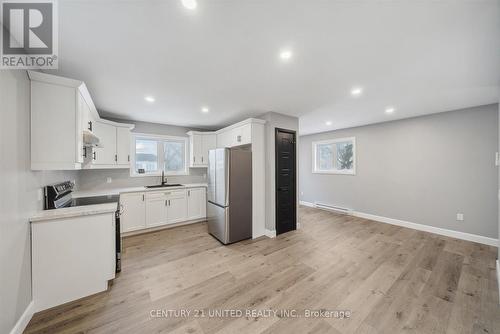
(29, 34)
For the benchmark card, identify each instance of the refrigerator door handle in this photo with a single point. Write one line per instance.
(216, 204)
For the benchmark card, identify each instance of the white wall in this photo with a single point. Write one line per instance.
(423, 170)
(273, 121)
(18, 197)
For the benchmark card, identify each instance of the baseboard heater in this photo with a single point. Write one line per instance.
(334, 208)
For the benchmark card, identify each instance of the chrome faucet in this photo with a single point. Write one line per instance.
(163, 179)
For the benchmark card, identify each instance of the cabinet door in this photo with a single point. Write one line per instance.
(209, 143)
(224, 139)
(197, 148)
(176, 206)
(156, 209)
(196, 203)
(105, 155)
(133, 210)
(123, 146)
(246, 134)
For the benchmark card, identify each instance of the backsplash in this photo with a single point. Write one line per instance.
(120, 178)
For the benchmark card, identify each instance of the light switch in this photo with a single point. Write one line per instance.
(460, 216)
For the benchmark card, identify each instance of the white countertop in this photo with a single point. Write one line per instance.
(75, 211)
(118, 191)
(99, 208)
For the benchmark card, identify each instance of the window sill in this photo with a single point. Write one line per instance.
(157, 175)
(335, 172)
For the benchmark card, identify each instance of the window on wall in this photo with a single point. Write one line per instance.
(152, 154)
(335, 156)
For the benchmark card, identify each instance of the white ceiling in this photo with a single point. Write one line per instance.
(419, 56)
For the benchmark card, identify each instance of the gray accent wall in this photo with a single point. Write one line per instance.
(96, 179)
(423, 170)
(275, 120)
(19, 196)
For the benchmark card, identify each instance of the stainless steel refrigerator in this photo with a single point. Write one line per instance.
(229, 202)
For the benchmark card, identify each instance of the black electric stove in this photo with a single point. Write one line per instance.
(60, 196)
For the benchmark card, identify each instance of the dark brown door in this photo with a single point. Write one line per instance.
(286, 199)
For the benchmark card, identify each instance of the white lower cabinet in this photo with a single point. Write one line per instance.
(133, 212)
(196, 203)
(158, 208)
(176, 206)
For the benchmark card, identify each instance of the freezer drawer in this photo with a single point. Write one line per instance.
(218, 221)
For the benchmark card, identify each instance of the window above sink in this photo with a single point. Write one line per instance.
(154, 153)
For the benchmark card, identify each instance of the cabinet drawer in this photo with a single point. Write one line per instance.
(175, 194)
(155, 195)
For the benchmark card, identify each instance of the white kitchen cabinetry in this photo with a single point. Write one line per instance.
(59, 106)
(143, 210)
(156, 209)
(114, 151)
(71, 258)
(123, 146)
(199, 145)
(107, 136)
(196, 203)
(235, 136)
(61, 111)
(176, 206)
(133, 211)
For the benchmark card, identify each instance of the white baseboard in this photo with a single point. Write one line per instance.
(309, 204)
(441, 231)
(498, 279)
(270, 234)
(25, 318)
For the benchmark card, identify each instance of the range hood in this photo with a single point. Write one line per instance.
(90, 139)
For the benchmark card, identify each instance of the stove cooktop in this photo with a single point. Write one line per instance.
(95, 200)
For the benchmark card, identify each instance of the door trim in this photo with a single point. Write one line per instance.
(294, 133)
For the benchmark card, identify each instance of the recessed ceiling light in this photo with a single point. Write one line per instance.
(190, 4)
(328, 123)
(286, 55)
(149, 99)
(205, 109)
(356, 91)
(390, 110)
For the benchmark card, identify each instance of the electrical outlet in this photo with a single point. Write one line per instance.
(460, 216)
(109, 180)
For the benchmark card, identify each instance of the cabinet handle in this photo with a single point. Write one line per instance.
(116, 157)
(166, 202)
(128, 158)
(85, 151)
(143, 197)
(90, 125)
(201, 159)
(94, 155)
(238, 139)
(189, 192)
(194, 159)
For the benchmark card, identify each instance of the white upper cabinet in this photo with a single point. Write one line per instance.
(199, 145)
(107, 136)
(123, 146)
(114, 149)
(237, 134)
(62, 111)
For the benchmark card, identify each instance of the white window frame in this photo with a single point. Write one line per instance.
(315, 144)
(160, 154)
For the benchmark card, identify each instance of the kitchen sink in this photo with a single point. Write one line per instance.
(164, 185)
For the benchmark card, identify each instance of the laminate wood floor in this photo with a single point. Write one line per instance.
(390, 279)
